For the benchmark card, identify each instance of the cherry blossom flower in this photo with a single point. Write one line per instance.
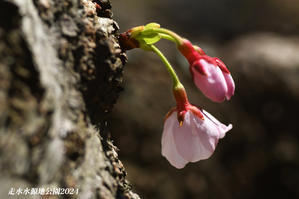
(190, 134)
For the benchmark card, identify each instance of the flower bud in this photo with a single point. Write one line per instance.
(215, 82)
(209, 74)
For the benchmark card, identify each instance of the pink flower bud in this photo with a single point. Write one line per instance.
(192, 140)
(215, 82)
(209, 74)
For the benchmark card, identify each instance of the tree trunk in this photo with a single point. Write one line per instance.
(60, 74)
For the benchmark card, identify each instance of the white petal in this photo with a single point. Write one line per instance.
(169, 150)
(221, 127)
(192, 140)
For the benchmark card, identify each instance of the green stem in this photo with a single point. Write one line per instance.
(176, 81)
(177, 39)
(165, 36)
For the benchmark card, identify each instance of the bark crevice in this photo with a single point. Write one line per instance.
(61, 73)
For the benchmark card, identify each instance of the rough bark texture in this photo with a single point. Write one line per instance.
(60, 74)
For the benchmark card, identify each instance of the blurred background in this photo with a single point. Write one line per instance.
(259, 43)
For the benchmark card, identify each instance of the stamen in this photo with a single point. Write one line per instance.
(181, 123)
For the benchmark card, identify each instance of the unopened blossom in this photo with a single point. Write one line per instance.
(209, 74)
(190, 134)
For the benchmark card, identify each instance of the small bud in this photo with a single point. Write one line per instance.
(215, 82)
(209, 74)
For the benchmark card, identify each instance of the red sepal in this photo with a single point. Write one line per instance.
(197, 111)
(199, 50)
(169, 113)
(216, 62)
(198, 67)
(221, 65)
(187, 49)
(181, 117)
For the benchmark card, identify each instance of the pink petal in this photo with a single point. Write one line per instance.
(196, 139)
(169, 150)
(222, 129)
(230, 85)
(213, 84)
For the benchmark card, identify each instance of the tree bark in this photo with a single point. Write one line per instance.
(60, 74)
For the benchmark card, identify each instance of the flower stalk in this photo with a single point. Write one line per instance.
(174, 37)
(171, 71)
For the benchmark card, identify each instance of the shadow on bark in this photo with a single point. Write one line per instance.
(60, 74)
